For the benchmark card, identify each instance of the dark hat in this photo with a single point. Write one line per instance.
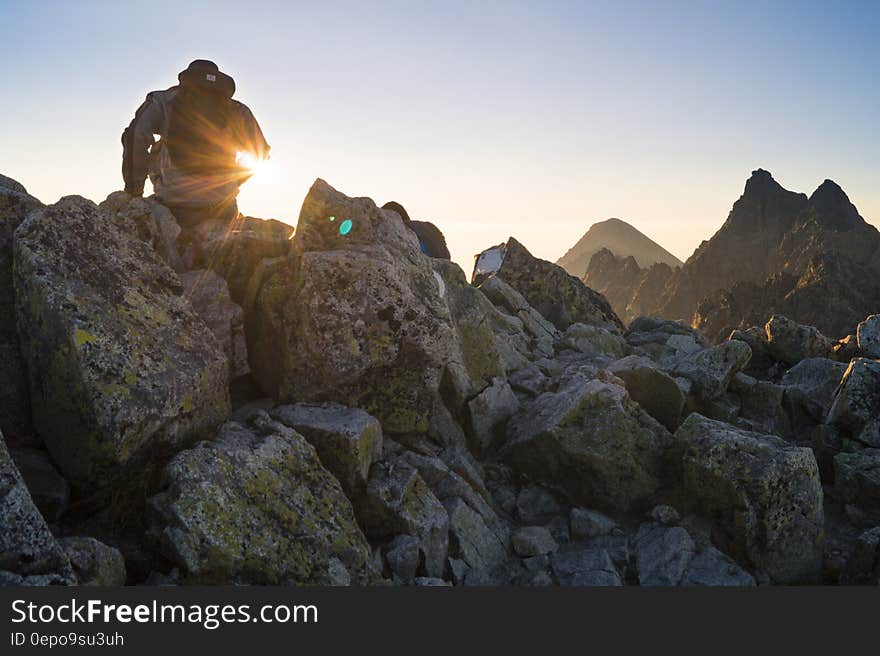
(205, 74)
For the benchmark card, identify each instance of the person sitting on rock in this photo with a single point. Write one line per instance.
(193, 140)
(431, 239)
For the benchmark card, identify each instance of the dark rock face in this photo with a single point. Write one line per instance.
(620, 238)
(812, 259)
(558, 296)
(15, 419)
(626, 286)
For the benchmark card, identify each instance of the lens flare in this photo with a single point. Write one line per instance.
(251, 162)
(345, 227)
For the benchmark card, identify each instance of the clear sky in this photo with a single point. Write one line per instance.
(533, 119)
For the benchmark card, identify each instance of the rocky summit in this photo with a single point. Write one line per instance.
(248, 404)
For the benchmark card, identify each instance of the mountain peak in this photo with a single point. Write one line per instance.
(619, 237)
(833, 207)
(760, 182)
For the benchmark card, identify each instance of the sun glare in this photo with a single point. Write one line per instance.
(252, 163)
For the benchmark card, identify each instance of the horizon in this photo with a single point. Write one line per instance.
(490, 121)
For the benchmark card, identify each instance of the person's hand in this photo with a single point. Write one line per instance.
(134, 192)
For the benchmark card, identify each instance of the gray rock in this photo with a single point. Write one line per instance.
(653, 389)
(763, 494)
(559, 297)
(536, 505)
(488, 413)
(150, 221)
(595, 341)
(868, 336)
(404, 557)
(399, 502)
(15, 411)
(209, 296)
(29, 554)
(857, 482)
(664, 514)
(863, 566)
(593, 442)
(472, 540)
(855, 405)
(255, 506)
(712, 568)
(48, 489)
(809, 389)
(234, 249)
(712, 369)
(121, 368)
(95, 563)
(668, 556)
(533, 541)
(431, 582)
(357, 318)
(585, 568)
(760, 405)
(589, 524)
(662, 554)
(792, 342)
(348, 440)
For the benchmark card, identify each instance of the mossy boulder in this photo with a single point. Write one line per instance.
(255, 506)
(29, 554)
(356, 316)
(15, 415)
(593, 442)
(121, 368)
(95, 563)
(348, 440)
(149, 220)
(557, 295)
(762, 494)
(711, 370)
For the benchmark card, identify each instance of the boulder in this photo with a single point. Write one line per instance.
(15, 414)
(533, 541)
(29, 554)
(650, 387)
(868, 336)
(94, 563)
(662, 554)
(523, 321)
(355, 316)
(857, 483)
(121, 368)
(809, 389)
(348, 440)
(763, 495)
(209, 296)
(255, 506)
(863, 566)
(473, 316)
(399, 502)
(711, 370)
(48, 489)
(760, 404)
(472, 540)
(488, 413)
(857, 401)
(585, 568)
(791, 342)
(562, 298)
(150, 221)
(536, 505)
(595, 341)
(587, 524)
(403, 556)
(590, 440)
(234, 249)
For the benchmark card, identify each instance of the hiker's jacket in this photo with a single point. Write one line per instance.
(176, 184)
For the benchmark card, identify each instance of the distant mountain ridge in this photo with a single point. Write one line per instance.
(620, 238)
(811, 258)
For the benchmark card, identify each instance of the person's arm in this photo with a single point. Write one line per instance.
(136, 141)
(251, 136)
